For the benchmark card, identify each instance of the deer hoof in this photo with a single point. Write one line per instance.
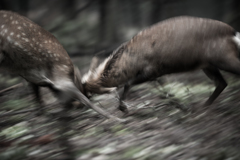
(123, 107)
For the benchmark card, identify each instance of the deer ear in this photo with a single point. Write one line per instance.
(95, 60)
(107, 90)
(94, 63)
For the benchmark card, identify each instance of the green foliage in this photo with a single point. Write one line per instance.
(131, 151)
(14, 153)
(15, 131)
(177, 93)
(119, 130)
(8, 81)
(14, 104)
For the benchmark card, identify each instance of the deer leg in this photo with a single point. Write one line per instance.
(122, 106)
(38, 98)
(229, 63)
(138, 80)
(215, 75)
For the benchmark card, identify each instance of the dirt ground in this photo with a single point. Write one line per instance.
(165, 122)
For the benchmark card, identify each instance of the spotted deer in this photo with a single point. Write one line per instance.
(175, 45)
(33, 53)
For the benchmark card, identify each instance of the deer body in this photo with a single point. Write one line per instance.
(175, 45)
(31, 52)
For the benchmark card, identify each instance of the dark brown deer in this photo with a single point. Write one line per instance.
(175, 45)
(31, 52)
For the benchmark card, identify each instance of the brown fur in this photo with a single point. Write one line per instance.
(33, 53)
(175, 45)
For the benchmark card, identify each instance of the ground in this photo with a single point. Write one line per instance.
(165, 122)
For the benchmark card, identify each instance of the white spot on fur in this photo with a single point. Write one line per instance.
(4, 15)
(19, 27)
(65, 66)
(23, 34)
(9, 39)
(2, 26)
(11, 17)
(16, 22)
(11, 33)
(18, 35)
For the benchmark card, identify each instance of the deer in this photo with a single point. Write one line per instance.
(175, 45)
(31, 52)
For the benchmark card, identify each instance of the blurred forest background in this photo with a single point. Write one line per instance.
(166, 122)
(88, 26)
